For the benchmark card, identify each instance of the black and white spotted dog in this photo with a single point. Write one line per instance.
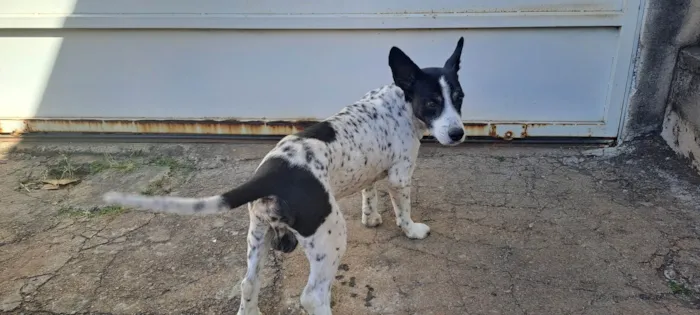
(292, 196)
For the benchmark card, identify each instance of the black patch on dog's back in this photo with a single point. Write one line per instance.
(302, 200)
(322, 131)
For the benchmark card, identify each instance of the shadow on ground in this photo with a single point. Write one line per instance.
(515, 231)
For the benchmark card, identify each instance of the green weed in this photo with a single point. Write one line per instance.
(109, 162)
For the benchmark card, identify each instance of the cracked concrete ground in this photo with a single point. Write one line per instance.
(515, 230)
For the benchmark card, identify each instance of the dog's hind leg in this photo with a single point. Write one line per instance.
(258, 244)
(323, 249)
(370, 213)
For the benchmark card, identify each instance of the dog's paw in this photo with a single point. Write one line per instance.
(417, 231)
(371, 220)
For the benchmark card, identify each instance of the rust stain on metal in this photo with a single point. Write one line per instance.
(476, 128)
(527, 127)
(233, 127)
(508, 135)
(253, 127)
(206, 127)
(493, 132)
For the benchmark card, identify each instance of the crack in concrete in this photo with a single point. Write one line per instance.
(100, 280)
(511, 293)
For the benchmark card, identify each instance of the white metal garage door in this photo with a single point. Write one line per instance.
(529, 67)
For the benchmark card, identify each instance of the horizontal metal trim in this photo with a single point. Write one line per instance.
(504, 130)
(313, 21)
(190, 138)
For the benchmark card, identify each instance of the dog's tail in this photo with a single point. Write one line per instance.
(249, 191)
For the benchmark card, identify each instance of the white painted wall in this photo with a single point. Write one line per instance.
(547, 61)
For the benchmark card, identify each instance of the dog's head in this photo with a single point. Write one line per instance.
(434, 93)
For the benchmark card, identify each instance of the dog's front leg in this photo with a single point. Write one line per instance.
(400, 193)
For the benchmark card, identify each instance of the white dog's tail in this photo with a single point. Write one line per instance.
(249, 191)
(178, 205)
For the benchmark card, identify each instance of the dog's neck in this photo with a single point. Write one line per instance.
(393, 95)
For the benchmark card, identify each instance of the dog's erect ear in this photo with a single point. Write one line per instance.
(404, 70)
(452, 64)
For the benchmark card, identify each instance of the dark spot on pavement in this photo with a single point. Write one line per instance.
(370, 295)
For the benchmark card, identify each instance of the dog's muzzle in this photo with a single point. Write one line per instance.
(456, 134)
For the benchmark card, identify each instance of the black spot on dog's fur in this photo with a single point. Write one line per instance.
(318, 165)
(199, 206)
(309, 156)
(320, 257)
(322, 131)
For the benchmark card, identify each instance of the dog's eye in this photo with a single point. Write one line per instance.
(431, 104)
(458, 96)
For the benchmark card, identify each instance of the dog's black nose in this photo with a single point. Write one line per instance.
(456, 134)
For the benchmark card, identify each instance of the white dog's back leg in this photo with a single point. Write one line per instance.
(323, 249)
(258, 245)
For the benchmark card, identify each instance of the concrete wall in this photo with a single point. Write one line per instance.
(668, 26)
(681, 128)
